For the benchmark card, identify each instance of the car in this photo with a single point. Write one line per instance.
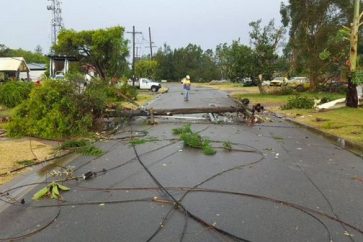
(266, 83)
(145, 84)
(299, 83)
(59, 76)
(278, 81)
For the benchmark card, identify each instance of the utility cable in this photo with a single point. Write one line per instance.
(21, 237)
(177, 204)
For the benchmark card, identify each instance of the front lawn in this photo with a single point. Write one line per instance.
(344, 122)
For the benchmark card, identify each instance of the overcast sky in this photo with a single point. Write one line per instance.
(26, 23)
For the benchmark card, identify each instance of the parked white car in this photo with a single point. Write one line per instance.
(299, 83)
(266, 83)
(145, 84)
(278, 81)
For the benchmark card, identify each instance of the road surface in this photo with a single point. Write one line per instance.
(279, 183)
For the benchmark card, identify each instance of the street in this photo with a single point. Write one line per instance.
(280, 182)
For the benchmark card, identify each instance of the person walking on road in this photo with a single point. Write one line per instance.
(186, 87)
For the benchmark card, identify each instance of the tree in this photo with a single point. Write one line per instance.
(265, 41)
(236, 61)
(165, 69)
(191, 60)
(30, 57)
(313, 26)
(105, 49)
(146, 68)
(353, 79)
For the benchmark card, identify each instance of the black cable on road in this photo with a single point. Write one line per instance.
(21, 237)
(179, 205)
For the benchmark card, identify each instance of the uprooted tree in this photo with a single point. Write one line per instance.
(57, 110)
(105, 49)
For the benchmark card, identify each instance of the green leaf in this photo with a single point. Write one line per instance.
(325, 55)
(41, 193)
(55, 190)
(63, 188)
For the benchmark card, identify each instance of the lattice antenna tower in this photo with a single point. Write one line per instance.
(57, 20)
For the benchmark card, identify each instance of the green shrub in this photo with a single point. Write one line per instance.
(129, 91)
(13, 93)
(207, 148)
(194, 140)
(299, 102)
(185, 129)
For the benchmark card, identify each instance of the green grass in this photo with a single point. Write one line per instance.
(344, 122)
(270, 100)
(229, 87)
(5, 112)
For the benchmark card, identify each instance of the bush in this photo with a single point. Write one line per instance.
(299, 102)
(54, 110)
(13, 93)
(194, 140)
(57, 109)
(129, 91)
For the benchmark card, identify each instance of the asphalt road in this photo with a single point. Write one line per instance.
(280, 183)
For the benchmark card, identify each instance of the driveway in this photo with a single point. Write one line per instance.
(279, 183)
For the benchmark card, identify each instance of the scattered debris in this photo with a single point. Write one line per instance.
(346, 233)
(84, 147)
(339, 103)
(52, 191)
(359, 179)
(227, 145)
(138, 141)
(194, 140)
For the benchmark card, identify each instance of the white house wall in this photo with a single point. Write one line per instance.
(34, 75)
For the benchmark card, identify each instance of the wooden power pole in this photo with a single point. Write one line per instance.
(133, 52)
(151, 44)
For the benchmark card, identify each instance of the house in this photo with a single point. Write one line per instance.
(12, 67)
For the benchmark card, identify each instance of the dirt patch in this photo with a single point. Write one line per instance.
(17, 153)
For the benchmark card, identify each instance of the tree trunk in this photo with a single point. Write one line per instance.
(352, 94)
(261, 89)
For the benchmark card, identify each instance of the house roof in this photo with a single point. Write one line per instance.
(37, 66)
(13, 64)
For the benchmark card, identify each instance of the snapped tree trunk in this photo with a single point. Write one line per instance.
(352, 94)
(261, 89)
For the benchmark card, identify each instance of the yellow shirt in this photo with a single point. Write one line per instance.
(186, 82)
